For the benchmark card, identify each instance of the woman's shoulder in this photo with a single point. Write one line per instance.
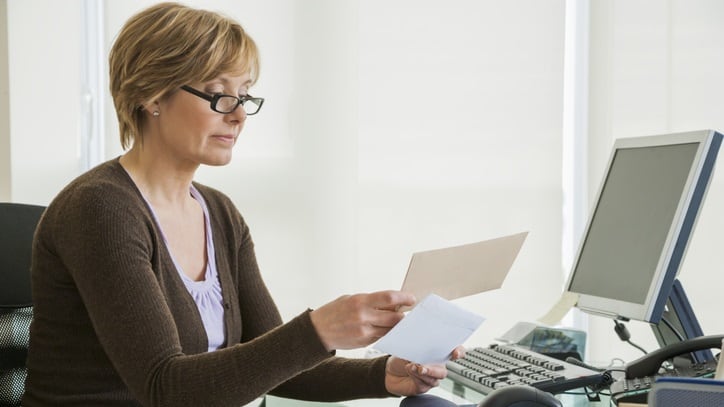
(106, 185)
(94, 204)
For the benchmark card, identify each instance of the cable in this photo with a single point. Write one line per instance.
(625, 336)
(613, 364)
(606, 377)
(621, 331)
(637, 347)
(577, 362)
(580, 393)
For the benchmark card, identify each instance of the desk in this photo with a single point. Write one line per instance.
(386, 402)
(447, 390)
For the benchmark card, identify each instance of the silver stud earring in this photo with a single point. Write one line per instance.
(156, 113)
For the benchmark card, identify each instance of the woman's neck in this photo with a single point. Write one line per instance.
(162, 181)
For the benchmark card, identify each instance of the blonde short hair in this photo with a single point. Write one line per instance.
(169, 45)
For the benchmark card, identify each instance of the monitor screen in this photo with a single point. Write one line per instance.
(641, 222)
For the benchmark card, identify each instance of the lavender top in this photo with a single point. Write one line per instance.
(207, 292)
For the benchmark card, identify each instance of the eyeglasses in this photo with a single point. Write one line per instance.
(227, 103)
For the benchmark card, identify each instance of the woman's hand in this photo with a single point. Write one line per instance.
(355, 321)
(404, 378)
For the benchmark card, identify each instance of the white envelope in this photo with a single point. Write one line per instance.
(459, 271)
(430, 332)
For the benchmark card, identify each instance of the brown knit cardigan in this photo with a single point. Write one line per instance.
(115, 326)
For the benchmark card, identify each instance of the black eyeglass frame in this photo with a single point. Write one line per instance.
(214, 99)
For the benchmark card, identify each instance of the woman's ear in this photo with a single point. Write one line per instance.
(152, 108)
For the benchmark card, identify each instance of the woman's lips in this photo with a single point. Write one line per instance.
(226, 138)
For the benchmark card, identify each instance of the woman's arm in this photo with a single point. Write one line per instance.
(106, 241)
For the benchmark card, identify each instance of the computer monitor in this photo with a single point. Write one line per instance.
(639, 228)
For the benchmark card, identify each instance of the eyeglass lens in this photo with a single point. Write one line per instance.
(227, 104)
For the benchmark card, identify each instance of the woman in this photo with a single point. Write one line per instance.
(145, 284)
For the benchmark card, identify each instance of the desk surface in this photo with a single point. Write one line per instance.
(447, 390)
(387, 402)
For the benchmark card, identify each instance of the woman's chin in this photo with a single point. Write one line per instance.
(218, 160)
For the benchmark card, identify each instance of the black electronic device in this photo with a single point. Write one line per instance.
(669, 361)
(520, 396)
(429, 400)
(559, 343)
(510, 396)
(638, 233)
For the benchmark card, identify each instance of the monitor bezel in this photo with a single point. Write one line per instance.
(678, 236)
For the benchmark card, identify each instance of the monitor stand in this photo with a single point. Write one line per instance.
(684, 325)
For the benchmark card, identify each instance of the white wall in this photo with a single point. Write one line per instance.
(460, 140)
(4, 107)
(394, 127)
(44, 86)
(656, 68)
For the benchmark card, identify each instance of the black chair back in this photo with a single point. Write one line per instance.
(17, 227)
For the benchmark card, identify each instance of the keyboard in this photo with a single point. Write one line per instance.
(486, 369)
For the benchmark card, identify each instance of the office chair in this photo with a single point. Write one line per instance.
(17, 226)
